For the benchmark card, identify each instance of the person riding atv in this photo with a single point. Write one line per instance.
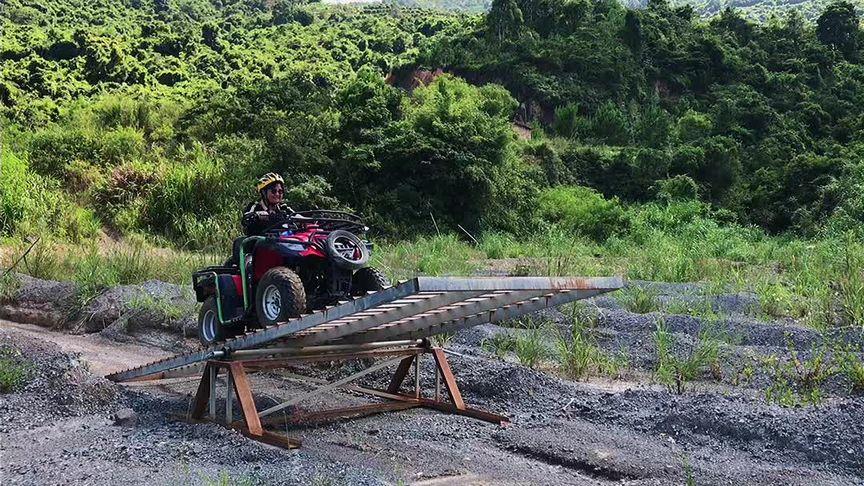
(258, 215)
(289, 263)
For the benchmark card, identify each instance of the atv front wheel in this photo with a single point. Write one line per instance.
(210, 330)
(366, 280)
(280, 296)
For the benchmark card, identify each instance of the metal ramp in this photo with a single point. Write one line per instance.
(413, 309)
(390, 325)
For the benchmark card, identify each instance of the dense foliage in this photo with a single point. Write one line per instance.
(157, 116)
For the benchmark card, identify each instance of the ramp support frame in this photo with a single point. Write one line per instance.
(254, 422)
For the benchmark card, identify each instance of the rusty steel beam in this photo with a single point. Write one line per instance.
(343, 412)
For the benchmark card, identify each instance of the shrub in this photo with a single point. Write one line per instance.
(583, 211)
(680, 187)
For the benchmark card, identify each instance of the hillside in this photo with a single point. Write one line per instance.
(752, 9)
(119, 115)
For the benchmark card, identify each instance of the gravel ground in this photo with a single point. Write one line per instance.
(59, 428)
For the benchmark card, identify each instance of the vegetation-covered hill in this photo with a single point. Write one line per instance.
(156, 116)
(752, 9)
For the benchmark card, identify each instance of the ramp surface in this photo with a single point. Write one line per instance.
(413, 309)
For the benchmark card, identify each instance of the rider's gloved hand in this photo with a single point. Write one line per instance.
(262, 215)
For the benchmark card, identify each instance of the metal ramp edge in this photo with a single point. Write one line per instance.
(416, 308)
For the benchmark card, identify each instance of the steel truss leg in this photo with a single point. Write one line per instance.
(253, 425)
(204, 401)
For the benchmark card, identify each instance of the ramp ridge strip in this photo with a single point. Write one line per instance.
(271, 333)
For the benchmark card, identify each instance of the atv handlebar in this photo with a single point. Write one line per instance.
(326, 219)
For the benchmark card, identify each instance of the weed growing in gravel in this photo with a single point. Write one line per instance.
(775, 300)
(582, 314)
(613, 365)
(640, 300)
(225, 479)
(442, 340)
(13, 373)
(798, 381)
(163, 308)
(577, 353)
(675, 371)
(852, 367)
(499, 344)
(530, 348)
(92, 275)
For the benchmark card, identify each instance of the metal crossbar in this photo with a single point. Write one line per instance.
(414, 309)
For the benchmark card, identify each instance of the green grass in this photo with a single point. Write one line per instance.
(94, 267)
(9, 285)
(577, 353)
(640, 300)
(530, 346)
(675, 370)
(500, 344)
(164, 308)
(798, 381)
(13, 372)
(852, 367)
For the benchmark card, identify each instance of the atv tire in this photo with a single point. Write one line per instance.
(210, 330)
(280, 296)
(341, 242)
(367, 280)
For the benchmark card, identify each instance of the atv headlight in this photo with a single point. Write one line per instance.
(295, 247)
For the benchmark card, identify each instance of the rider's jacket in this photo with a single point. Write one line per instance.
(253, 221)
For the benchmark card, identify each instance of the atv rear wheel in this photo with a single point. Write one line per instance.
(210, 330)
(280, 296)
(366, 280)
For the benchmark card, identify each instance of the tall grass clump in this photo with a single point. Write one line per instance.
(852, 283)
(9, 285)
(530, 345)
(675, 370)
(577, 353)
(639, 299)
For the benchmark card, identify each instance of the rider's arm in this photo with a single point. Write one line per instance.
(252, 219)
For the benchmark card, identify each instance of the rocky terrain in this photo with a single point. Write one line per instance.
(65, 424)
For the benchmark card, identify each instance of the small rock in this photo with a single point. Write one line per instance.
(126, 417)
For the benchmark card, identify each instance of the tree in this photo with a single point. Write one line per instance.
(632, 32)
(838, 27)
(504, 19)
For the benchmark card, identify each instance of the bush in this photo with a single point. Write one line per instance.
(678, 188)
(582, 211)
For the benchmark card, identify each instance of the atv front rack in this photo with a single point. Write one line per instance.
(414, 309)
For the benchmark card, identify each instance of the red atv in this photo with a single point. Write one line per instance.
(304, 262)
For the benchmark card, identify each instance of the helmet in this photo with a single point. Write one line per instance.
(269, 179)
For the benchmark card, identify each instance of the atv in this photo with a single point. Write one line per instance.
(304, 262)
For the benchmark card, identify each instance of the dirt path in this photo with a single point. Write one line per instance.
(102, 356)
